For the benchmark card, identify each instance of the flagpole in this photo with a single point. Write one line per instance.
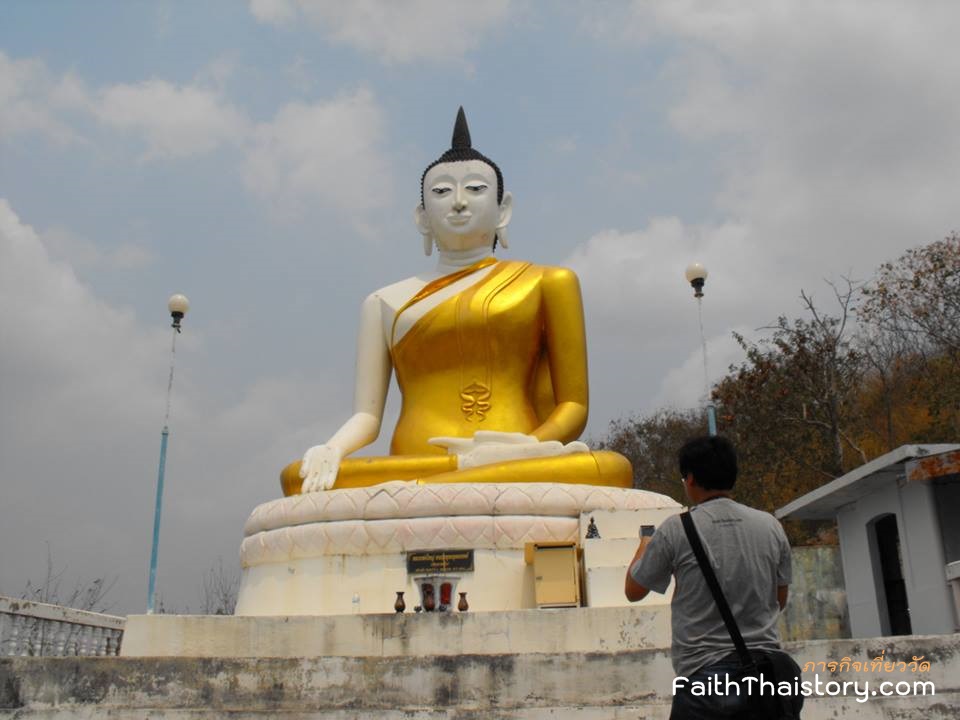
(178, 306)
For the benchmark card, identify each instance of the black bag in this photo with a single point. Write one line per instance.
(774, 665)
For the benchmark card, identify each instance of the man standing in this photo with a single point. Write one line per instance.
(750, 555)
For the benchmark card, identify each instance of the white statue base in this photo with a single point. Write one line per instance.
(345, 551)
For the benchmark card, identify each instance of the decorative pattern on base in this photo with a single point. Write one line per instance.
(402, 499)
(397, 517)
(381, 537)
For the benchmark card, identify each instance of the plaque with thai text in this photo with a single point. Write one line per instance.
(426, 562)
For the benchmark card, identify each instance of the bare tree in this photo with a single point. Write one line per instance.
(918, 296)
(832, 380)
(914, 302)
(220, 589)
(891, 366)
(84, 594)
(793, 401)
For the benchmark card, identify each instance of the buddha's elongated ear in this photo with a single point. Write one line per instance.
(506, 212)
(423, 226)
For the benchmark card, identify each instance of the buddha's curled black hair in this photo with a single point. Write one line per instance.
(460, 151)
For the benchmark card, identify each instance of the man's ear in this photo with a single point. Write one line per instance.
(423, 226)
(506, 212)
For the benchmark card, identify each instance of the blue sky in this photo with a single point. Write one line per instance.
(264, 159)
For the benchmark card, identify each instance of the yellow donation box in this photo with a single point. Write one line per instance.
(556, 573)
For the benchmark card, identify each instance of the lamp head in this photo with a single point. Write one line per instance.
(697, 276)
(178, 306)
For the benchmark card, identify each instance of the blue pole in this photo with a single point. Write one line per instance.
(151, 592)
(711, 409)
(712, 419)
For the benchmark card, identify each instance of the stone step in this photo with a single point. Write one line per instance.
(602, 552)
(604, 589)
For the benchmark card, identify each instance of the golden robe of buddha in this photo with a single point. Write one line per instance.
(490, 357)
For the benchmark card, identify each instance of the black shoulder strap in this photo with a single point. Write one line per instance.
(694, 537)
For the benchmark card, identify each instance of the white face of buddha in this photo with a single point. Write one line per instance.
(460, 209)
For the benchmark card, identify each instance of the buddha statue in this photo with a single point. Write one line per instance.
(490, 356)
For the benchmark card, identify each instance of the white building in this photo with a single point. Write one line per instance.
(899, 524)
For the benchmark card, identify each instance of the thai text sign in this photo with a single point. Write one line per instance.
(439, 561)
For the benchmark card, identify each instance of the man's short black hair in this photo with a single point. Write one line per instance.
(712, 460)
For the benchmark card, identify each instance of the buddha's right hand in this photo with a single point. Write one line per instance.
(490, 447)
(319, 468)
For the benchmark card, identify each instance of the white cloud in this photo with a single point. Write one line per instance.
(175, 121)
(641, 315)
(82, 391)
(300, 74)
(683, 386)
(58, 324)
(637, 278)
(393, 31)
(564, 145)
(325, 153)
(79, 252)
(215, 74)
(834, 126)
(83, 399)
(277, 12)
(310, 154)
(837, 121)
(28, 100)
(70, 93)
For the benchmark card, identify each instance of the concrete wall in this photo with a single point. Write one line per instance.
(329, 584)
(931, 607)
(946, 496)
(817, 606)
(859, 563)
(533, 686)
(563, 630)
(921, 554)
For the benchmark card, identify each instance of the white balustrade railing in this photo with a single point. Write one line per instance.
(31, 628)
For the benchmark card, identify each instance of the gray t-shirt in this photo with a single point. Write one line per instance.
(750, 556)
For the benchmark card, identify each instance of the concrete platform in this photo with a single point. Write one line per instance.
(563, 630)
(528, 686)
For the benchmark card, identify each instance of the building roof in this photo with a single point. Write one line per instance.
(824, 502)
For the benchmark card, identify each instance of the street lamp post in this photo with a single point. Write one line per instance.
(696, 275)
(178, 306)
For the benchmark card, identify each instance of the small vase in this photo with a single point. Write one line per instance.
(463, 605)
(429, 600)
(400, 605)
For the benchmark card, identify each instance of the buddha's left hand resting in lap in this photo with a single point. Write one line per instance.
(490, 357)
